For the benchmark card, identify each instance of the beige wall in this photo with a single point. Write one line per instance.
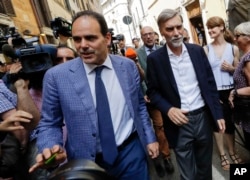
(216, 8)
(57, 10)
(25, 18)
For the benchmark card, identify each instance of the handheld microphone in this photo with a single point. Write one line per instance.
(9, 51)
(131, 53)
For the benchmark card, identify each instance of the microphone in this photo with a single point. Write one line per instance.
(9, 51)
(123, 52)
(131, 53)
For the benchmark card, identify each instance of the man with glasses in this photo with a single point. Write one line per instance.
(148, 38)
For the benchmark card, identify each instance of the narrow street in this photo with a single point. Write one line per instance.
(218, 172)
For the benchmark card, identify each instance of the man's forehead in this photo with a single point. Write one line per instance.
(174, 21)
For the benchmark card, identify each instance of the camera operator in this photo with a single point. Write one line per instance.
(34, 93)
(17, 114)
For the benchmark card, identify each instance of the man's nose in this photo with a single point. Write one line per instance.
(176, 31)
(84, 43)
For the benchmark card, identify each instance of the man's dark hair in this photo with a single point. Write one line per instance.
(65, 46)
(135, 38)
(120, 37)
(100, 19)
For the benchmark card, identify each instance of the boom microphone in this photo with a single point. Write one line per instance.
(9, 51)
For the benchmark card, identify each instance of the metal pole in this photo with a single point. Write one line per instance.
(129, 28)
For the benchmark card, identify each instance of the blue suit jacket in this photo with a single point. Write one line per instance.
(163, 90)
(67, 97)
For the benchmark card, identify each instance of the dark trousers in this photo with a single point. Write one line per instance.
(131, 163)
(194, 147)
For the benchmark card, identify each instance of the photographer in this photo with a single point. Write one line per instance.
(25, 77)
(15, 121)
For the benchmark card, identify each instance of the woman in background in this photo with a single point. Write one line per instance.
(223, 57)
(242, 76)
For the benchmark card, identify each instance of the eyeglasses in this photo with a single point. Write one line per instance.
(148, 34)
(238, 35)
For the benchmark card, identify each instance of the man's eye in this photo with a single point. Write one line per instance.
(169, 29)
(77, 39)
(90, 38)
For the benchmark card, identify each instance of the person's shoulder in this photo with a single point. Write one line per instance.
(140, 49)
(192, 45)
(64, 67)
(118, 58)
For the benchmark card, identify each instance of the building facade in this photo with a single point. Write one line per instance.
(145, 12)
(32, 18)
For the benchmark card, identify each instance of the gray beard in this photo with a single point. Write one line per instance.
(176, 43)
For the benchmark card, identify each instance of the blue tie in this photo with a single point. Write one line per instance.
(106, 131)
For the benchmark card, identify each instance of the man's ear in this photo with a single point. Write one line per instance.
(108, 38)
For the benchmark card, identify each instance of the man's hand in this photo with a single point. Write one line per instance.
(12, 122)
(21, 84)
(57, 154)
(146, 98)
(222, 126)
(177, 116)
(153, 150)
(15, 68)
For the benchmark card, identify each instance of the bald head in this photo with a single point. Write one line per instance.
(148, 36)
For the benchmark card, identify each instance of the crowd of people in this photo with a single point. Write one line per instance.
(121, 110)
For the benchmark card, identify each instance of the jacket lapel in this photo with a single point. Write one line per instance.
(165, 63)
(80, 82)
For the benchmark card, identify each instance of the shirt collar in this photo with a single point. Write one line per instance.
(147, 49)
(170, 52)
(90, 67)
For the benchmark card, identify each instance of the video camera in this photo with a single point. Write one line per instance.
(113, 45)
(35, 60)
(17, 40)
(61, 26)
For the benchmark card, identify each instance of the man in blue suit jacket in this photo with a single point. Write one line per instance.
(69, 97)
(181, 85)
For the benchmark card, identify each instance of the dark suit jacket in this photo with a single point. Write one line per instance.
(163, 90)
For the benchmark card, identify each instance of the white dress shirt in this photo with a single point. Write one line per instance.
(186, 80)
(121, 119)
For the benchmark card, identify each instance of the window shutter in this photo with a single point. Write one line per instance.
(8, 7)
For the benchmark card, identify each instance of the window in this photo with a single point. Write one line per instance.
(6, 7)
